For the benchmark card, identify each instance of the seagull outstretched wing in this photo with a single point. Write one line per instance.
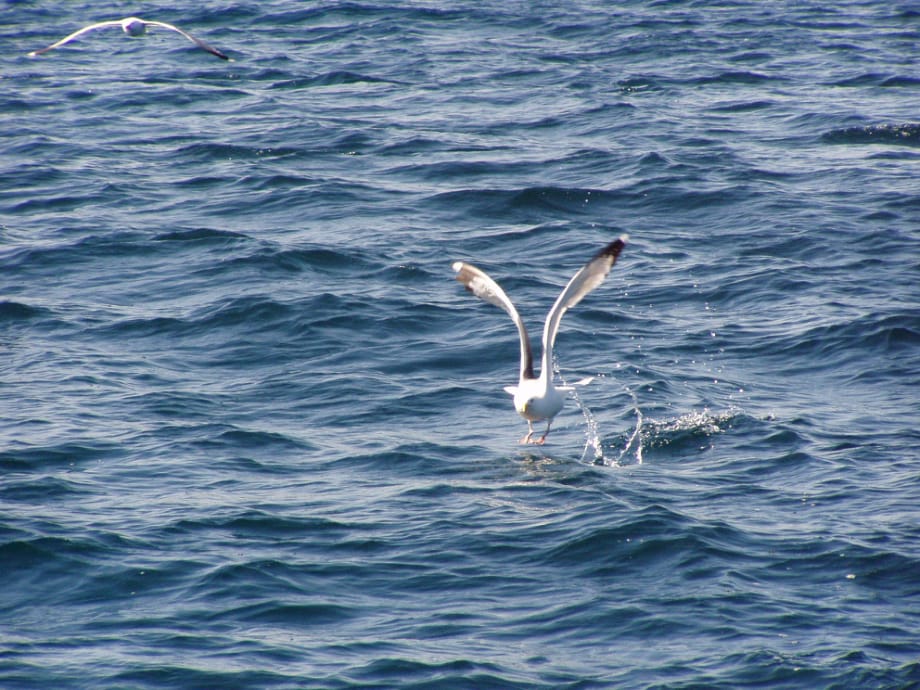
(74, 35)
(197, 41)
(481, 285)
(589, 277)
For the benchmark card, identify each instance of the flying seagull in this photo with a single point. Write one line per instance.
(536, 398)
(133, 27)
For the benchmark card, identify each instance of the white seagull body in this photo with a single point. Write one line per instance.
(535, 397)
(133, 27)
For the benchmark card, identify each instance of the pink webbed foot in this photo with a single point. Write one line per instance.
(542, 439)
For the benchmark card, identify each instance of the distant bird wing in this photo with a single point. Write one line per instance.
(589, 277)
(75, 34)
(481, 285)
(197, 41)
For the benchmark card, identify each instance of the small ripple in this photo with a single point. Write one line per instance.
(736, 77)
(290, 615)
(203, 237)
(333, 78)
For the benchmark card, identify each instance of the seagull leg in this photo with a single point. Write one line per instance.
(529, 436)
(542, 439)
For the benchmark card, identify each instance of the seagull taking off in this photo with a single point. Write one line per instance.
(536, 398)
(133, 27)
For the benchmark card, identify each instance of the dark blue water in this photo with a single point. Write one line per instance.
(253, 434)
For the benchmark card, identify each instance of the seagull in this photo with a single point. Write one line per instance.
(133, 27)
(535, 397)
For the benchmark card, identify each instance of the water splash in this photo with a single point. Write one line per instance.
(594, 448)
(592, 436)
(634, 442)
(692, 429)
(688, 429)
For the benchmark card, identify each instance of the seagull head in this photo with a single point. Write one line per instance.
(536, 403)
(537, 407)
(134, 26)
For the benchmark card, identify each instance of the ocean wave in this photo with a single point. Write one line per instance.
(12, 311)
(847, 340)
(527, 203)
(22, 457)
(253, 434)
(905, 134)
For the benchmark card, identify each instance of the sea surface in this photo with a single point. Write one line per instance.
(253, 432)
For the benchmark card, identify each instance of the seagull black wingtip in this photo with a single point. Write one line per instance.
(614, 248)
